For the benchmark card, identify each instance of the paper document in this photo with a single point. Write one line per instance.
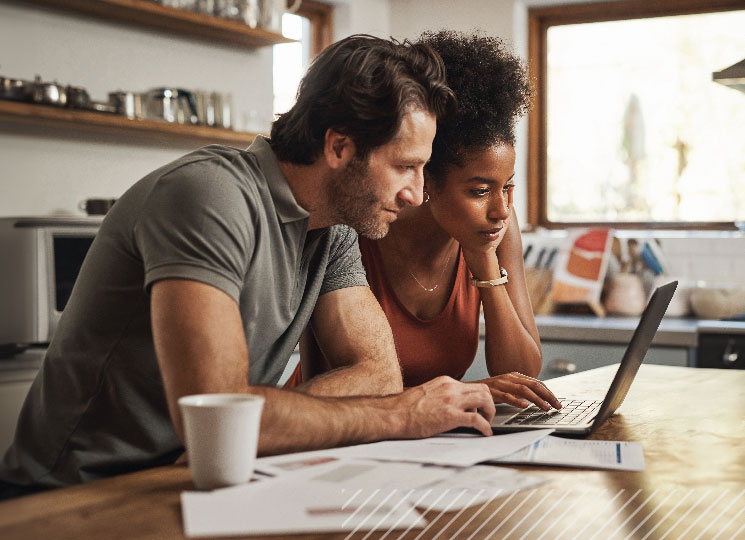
(471, 486)
(340, 495)
(345, 495)
(459, 451)
(618, 455)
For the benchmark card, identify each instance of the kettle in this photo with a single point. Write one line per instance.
(171, 105)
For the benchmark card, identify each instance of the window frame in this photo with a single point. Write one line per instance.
(321, 17)
(539, 21)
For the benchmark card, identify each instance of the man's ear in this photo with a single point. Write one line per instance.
(338, 149)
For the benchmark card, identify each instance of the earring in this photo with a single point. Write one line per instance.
(426, 197)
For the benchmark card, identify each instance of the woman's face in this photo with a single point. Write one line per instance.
(474, 201)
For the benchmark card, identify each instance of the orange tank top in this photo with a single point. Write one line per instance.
(445, 345)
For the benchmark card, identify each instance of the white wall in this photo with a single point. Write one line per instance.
(47, 171)
(361, 17)
(410, 17)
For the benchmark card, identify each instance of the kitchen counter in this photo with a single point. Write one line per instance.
(673, 331)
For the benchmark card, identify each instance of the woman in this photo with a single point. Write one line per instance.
(441, 262)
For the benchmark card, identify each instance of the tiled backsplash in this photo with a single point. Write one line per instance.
(692, 256)
(706, 258)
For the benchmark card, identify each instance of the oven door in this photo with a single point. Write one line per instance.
(721, 351)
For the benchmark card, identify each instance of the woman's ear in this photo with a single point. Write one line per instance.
(338, 149)
(427, 180)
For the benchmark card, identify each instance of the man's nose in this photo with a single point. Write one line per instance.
(413, 192)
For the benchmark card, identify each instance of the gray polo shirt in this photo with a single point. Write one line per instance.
(221, 216)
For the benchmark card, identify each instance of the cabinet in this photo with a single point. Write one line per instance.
(725, 351)
(565, 357)
(149, 14)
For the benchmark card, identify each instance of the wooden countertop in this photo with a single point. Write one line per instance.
(694, 485)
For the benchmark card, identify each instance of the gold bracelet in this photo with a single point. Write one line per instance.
(492, 282)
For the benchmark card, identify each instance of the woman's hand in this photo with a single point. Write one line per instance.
(481, 258)
(520, 390)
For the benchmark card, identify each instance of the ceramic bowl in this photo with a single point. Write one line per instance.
(718, 300)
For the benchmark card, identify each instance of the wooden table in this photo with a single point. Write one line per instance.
(693, 488)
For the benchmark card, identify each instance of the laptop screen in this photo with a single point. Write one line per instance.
(636, 351)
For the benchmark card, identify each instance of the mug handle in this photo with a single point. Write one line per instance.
(83, 206)
(294, 6)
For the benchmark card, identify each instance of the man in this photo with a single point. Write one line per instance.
(205, 273)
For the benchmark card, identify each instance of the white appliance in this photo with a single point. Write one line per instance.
(39, 261)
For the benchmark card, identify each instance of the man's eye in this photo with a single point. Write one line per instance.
(508, 187)
(480, 192)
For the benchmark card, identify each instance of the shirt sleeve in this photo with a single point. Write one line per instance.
(195, 225)
(345, 261)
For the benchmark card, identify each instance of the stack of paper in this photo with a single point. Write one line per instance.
(382, 486)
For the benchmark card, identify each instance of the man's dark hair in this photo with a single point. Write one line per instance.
(492, 88)
(361, 86)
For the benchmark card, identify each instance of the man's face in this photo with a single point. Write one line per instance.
(368, 195)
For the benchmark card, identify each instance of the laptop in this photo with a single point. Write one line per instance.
(581, 416)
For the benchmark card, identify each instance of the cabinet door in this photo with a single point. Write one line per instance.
(563, 358)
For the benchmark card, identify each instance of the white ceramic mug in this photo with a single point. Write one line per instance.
(221, 433)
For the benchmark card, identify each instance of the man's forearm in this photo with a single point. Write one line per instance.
(292, 421)
(354, 380)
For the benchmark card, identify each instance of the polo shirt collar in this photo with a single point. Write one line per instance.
(284, 201)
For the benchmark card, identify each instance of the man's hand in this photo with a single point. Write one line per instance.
(520, 390)
(443, 404)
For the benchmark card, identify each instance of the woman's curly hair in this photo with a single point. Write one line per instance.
(493, 90)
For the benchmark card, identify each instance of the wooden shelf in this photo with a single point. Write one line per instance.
(179, 21)
(99, 122)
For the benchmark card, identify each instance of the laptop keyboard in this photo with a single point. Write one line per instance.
(573, 411)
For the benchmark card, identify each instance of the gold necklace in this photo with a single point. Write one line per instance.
(438, 279)
(442, 272)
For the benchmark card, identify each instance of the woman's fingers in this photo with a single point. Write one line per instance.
(520, 390)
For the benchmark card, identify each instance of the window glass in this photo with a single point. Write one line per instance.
(290, 61)
(637, 130)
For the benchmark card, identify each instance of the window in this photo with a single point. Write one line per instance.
(311, 27)
(629, 127)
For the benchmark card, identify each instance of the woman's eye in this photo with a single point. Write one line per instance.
(508, 187)
(480, 192)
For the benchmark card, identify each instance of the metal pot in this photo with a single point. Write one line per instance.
(16, 89)
(127, 103)
(78, 97)
(171, 105)
(49, 93)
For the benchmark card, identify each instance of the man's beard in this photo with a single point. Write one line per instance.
(351, 196)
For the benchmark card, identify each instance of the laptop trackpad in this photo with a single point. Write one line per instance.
(504, 413)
